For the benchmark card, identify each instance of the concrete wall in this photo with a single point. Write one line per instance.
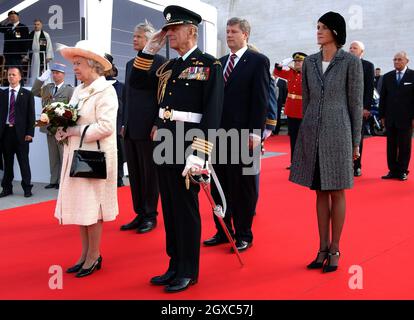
(281, 27)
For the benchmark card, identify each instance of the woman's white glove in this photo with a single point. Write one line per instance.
(193, 164)
(156, 42)
(71, 131)
(45, 75)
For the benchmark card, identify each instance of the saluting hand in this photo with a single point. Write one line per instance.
(156, 42)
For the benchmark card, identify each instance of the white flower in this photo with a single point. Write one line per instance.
(55, 104)
(60, 111)
(44, 118)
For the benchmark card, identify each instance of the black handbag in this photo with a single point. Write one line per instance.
(88, 164)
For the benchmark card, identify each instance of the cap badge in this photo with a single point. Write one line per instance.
(168, 16)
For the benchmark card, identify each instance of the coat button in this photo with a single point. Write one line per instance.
(173, 81)
(170, 93)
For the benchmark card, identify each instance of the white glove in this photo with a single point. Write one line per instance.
(156, 42)
(266, 133)
(71, 131)
(193, 164)
(45, 75)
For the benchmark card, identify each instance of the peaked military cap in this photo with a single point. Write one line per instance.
(176, 15)
(299, 56)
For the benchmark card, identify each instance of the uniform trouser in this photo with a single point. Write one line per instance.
(182, 222)
(293, 129)
(11, 146)
(398, 149)
(142, 177)
(55, 158)
(241, 196)
(357, 162)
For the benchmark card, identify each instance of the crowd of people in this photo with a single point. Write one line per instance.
(326, 96)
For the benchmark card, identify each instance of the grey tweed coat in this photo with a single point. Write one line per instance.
(332, 121)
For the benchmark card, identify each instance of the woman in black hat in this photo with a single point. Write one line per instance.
(329, 136)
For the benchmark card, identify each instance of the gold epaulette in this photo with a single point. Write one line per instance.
(143, 63)
(271, 122)
(202, 146)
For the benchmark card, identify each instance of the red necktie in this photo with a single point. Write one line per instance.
(11, 111)
(230, 67)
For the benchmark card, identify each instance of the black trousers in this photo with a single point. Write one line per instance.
(181, 220)
(241, 196)
(398, 149)
(142, 177)
(357, 162)
(120, 147)
(10, 147)
(293, 129)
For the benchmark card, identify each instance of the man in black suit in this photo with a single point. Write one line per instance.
(357, 48)
(282, 90)
(246, 99)
(397, 114)
(17, 118)
(139, 114)
(16, 39)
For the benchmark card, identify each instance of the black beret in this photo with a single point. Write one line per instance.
(176, 15)
(336, 23)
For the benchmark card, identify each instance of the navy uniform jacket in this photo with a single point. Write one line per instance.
(397, 100)
(271, 119)
(24, 113)
(140, 107)
(194, 85)
(16, 41)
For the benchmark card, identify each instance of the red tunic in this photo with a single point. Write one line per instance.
(293, 106)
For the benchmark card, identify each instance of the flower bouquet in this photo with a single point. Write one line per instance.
(58, 114)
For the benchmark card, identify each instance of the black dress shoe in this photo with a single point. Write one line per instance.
(50, 186)
(75, 268)
(28, 193)
(86, 272)
(5, 193)
(403, 177)
(242, 245)
(389, 175)
(164, 279)
(146, 226)
(215, 240)
(179, 284)
(357, 172)
(133, 224)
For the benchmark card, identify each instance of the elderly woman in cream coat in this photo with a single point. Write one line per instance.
(84, 201)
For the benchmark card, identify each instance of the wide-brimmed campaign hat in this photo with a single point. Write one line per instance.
(176, 15)
(85, 49)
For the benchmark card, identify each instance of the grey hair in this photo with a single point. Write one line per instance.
(403, 54)
(195, 28)
(147, 27)
(99, 69)
(243, 23)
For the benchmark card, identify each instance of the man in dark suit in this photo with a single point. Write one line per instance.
(17, 118)
(397, 114)
(246, 100)
(357, 48)
(139, 114)
(282, 90)
(16, 39)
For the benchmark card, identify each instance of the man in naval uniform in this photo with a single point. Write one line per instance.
(190, 96)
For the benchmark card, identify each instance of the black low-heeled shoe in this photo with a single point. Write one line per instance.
(75, 268)
(318, 265)
(86, 272)
(327, 267)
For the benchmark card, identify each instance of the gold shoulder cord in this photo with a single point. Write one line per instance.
(163, 77)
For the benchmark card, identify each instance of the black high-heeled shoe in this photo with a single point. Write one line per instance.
(318, 265)
(327, 267)
(95, 266)
(75, 268)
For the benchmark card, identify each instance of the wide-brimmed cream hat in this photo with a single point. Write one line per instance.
(86, 49)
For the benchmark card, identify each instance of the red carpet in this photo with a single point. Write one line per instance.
(378, 236)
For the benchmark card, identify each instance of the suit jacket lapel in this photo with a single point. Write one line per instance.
(239, 66)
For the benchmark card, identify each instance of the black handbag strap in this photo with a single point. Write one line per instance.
(83, 136)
